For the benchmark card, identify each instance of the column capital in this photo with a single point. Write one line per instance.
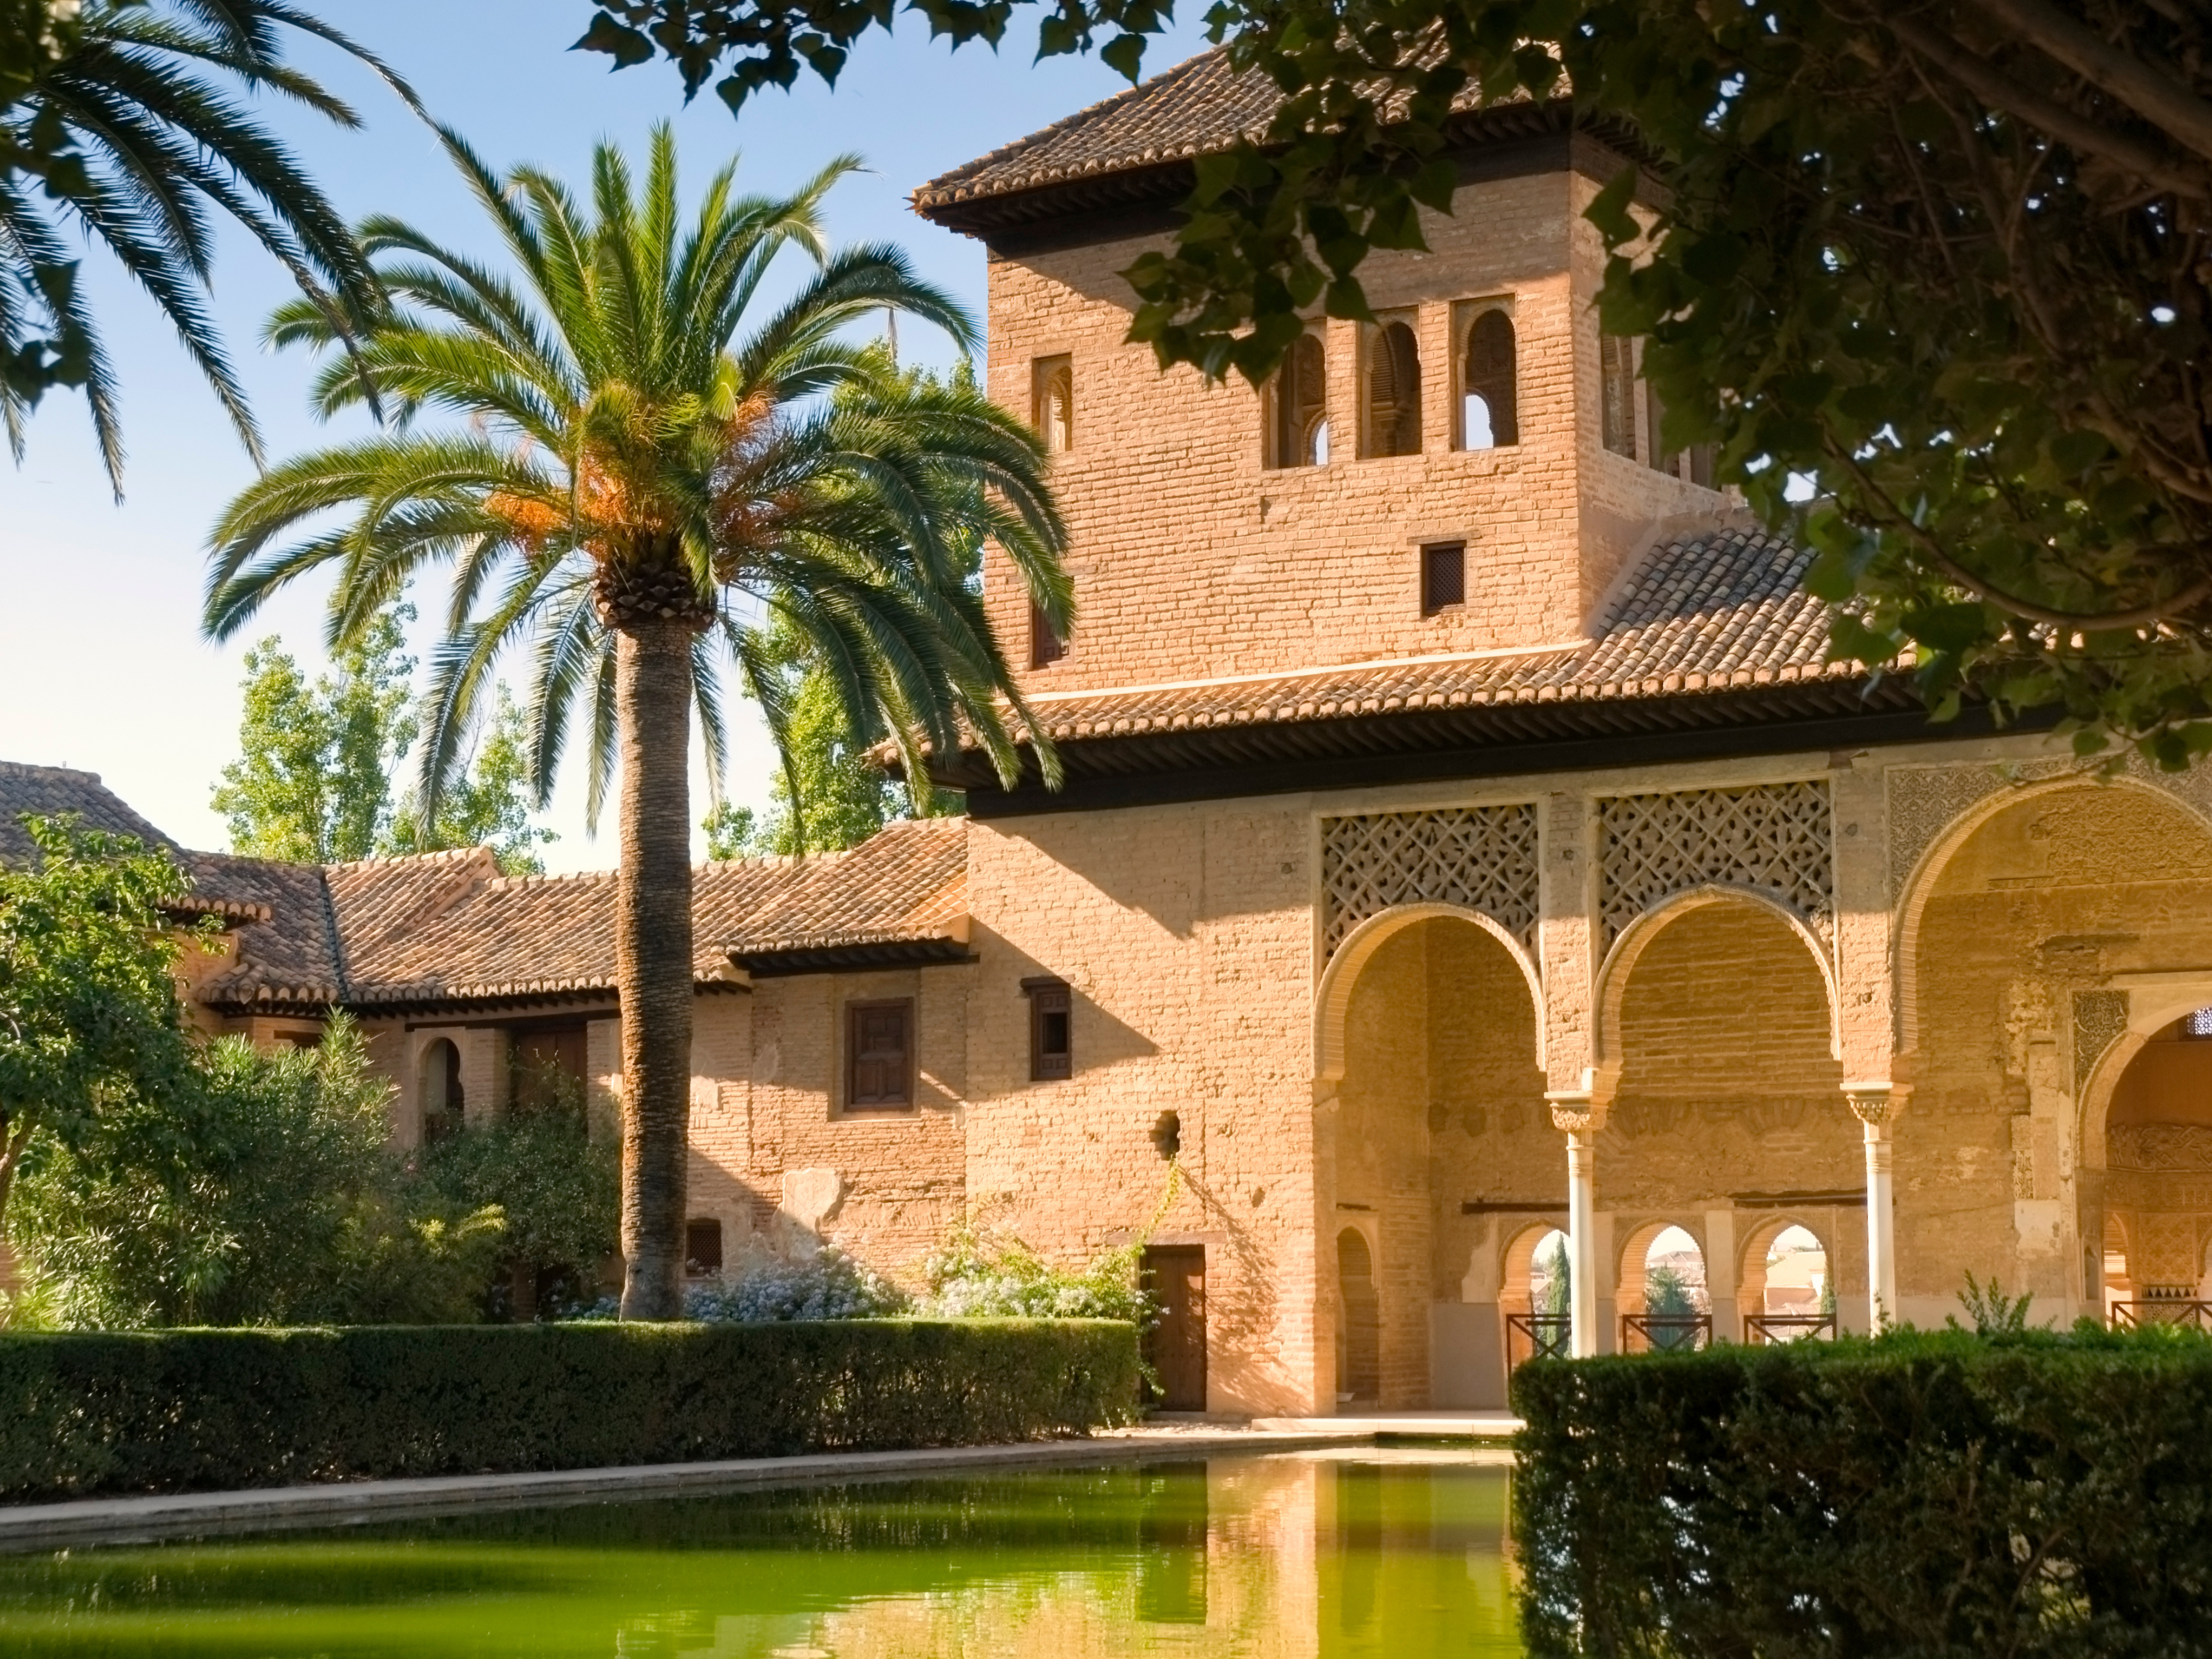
(1877, 1103)
(1576, 1111)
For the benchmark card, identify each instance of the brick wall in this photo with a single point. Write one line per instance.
(1173, 514)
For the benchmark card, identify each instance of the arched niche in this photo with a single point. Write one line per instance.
(1359, 1320)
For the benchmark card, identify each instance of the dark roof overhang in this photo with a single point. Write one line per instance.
(1222, 763)
(854, 958)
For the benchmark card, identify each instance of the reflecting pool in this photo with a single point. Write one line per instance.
(1336, 1555)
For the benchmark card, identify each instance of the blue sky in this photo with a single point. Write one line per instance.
(101, 664)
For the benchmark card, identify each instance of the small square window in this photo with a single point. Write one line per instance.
(1052, 1049)
(1443, 576)
(702, 1249)
(879, 1056)
(1046, 645)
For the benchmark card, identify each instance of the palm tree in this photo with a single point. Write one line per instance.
(128, 130)
(644, 472)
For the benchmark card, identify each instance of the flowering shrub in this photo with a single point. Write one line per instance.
(979, 1274)
(764, 1287)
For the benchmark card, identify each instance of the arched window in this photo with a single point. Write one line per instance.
(443, 1109)
(1299, 411)
(1393, 392)
(1489, 412)
(1053, 388)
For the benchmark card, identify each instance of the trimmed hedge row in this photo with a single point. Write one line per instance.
(171, 1411)
(1922, 1493)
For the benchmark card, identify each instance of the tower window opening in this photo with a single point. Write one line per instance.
(1393, 392)
(1616, 394)
(1298, 408)
(1489, 410)
(1053, 391)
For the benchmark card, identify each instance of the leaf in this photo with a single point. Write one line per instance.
(625, 44)
(1608, 210)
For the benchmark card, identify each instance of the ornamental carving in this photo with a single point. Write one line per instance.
(2100, 1018)
(2181, 1146)
(1926, 800)
(1479, 858)
(1775, 838)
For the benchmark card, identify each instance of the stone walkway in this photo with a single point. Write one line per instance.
(34, 1526)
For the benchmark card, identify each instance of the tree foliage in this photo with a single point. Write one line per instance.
(648, 461)
(118, 124)
(256, 1190)
(312, 782)
(1945, 260)
(90, 1029)
(556, 1188)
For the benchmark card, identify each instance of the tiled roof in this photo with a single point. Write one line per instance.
(446, 927)
(1704, 612)
(1201, 106)
(55, 791)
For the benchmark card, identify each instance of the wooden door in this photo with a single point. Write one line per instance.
(1175, 1347)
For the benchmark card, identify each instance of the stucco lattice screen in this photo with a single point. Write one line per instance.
(1481, 858)
(1774, 837)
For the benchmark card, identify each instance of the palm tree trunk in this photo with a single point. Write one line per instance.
(653, 958)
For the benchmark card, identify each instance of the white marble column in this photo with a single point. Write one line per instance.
(1582, 1118)
(1873, 1106)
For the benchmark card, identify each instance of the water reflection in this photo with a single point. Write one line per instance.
(1324, 1556)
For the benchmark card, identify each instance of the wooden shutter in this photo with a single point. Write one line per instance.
(1052, 1049)
(880, 1054)
(1046, 645)
(1617, 405)
(1393, 392)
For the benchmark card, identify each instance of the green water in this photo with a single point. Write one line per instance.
(1398, 1555)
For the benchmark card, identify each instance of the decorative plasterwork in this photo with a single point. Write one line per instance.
(2181, 1146)
(1480, 858)
(1774, 837)
(1925, 800)
(2100, 1018)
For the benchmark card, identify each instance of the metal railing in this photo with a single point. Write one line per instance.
(1761, 1329)
(1537, 1336)
(1665, 1332)
(2163, 1311)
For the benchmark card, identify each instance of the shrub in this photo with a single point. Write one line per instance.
(556, 1190)
(2018, 1492)
(258, 1191)
(763, 1287)
(94, 1412)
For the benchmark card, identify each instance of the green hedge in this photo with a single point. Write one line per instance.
(1922, 1493)
(171, 1411)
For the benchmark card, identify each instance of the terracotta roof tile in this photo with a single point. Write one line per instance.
(447, 928)
(54, 791)
(1200, 106)
(1704, 612)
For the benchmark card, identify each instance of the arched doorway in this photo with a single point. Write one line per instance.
(1359, 1323)
(2158, 1143)
(1664, 1304)
(2035, 942)
(1730, 1105)
(1536, 1294)
(1439, 1145)
(1786, 1290)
